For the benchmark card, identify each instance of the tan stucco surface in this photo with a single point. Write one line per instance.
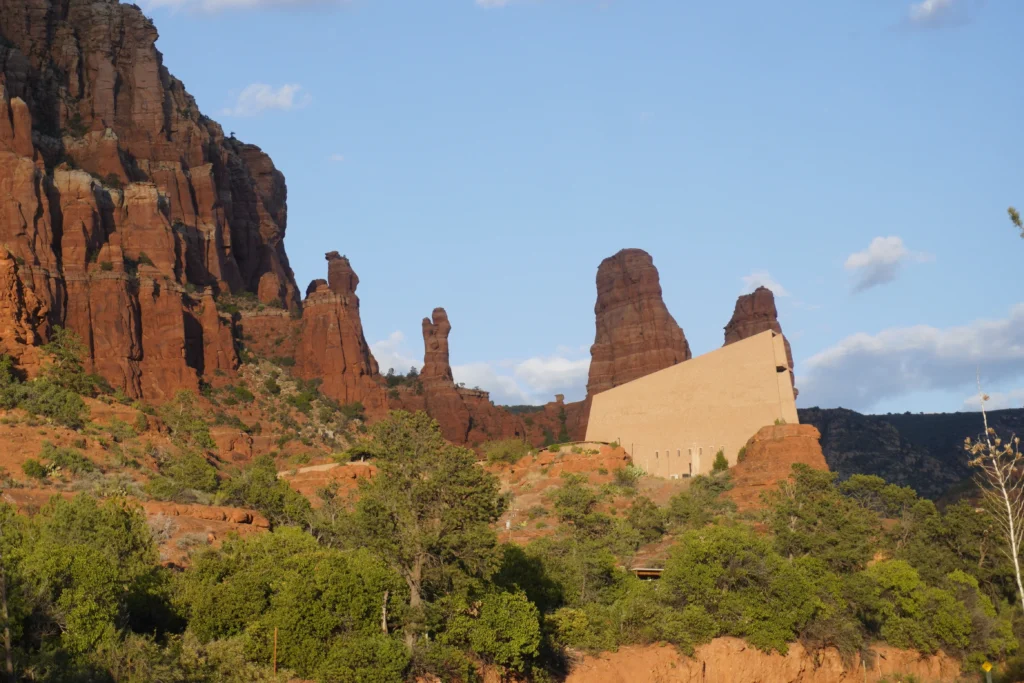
(673, 422)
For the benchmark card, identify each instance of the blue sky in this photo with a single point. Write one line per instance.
(856, 155)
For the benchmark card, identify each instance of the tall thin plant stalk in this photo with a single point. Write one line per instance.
(1000, 467)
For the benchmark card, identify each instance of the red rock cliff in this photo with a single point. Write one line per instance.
(756, 313)
(126, 208)
(636, 335)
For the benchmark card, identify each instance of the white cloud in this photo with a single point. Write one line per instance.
(996, 401)
(942, 13)
(505, 390)
(337, 158)
(929, 11)
(493, 3)
(881, 262)
(390, 353)
(762, 278)
(260, 97)
(553, 375)
(532, 381)
(862, 370)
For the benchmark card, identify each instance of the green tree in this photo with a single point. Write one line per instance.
(739, 580)
(12, 609)
(811, 518)
(12, 391)
(721, 464)
(908, 613)
(365, 659)
(647, 519)
(503, 628)
(428, 511)
(66, 367)
(188, 427)
(318, 599)
(89, 564)
(701, 503)
(259, 487)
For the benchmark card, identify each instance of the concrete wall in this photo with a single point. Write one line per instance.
(673, 422)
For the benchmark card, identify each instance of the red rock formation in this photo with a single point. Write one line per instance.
(466, 416)
(436, 365)
(636, 335)
(769, 457)
(332, 346)
(155, 202)
(756, 313)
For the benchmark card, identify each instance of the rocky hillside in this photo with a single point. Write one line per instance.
(924, 452)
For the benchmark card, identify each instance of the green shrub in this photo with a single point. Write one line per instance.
(67, 459)
(589, 628)
(259, 487)
(49, 399)
(106, 266)
(742, 454)
(34, 469)
(353, 411)
(241, 393)
(183, 417)
(120, 430)
(192, 471)
(644, 618)
(627, 477)
(367, 658)
(271, 386)
(507, 450)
